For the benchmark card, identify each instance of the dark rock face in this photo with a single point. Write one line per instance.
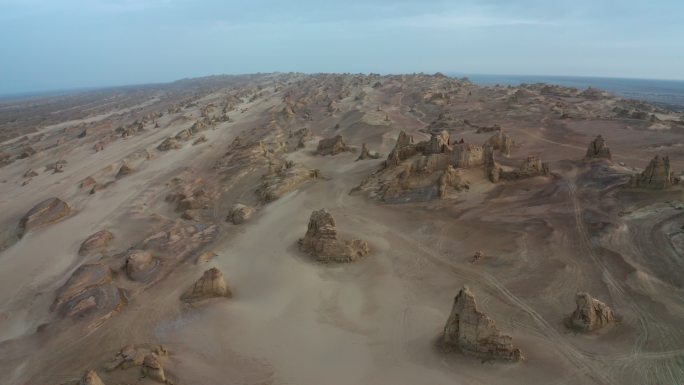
(332, 146)
(590, 314)
(598, 149)
(210, 285)
(658, 175)
(89, 293)
(48, 211)
(473, 333)
(322, 243)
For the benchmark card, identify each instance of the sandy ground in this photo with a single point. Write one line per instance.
(376, 321)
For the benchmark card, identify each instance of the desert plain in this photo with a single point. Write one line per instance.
(341, 229)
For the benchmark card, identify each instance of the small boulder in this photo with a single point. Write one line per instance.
(210, 285)
(141, 265)
(240, 213)
(124, 170)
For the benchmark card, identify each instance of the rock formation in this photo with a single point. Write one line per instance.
(332, 146)
(141, 265)
(451, 179)
(502, 142)
(658, 175)
(322, 243)
(96, 242)
(48, 211)
(210, 285)
(531, 167)
(240, 213)
(367, 154)
(590, 314)
(169, 143)
(89, 292)
(90, 377)
(152, 368)
(124, 170)
(130, 356)
(283, 180)
(598, 150)
(473, 333)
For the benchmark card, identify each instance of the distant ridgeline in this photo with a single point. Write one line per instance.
(668, 93)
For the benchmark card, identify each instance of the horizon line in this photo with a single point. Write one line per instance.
(56, 91)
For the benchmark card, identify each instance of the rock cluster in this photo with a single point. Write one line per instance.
(322, 243)
(590, 314)
(240, 213)
(473, 333)
(48, 211)
(598, 150)
(531, 167)
(210, 285)
(332, 146)
(148, 359)
(89, 292)
(658, 175)
(96, 242)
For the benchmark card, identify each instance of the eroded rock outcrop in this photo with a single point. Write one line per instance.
(124, 170)
(332, 146)
(169, 143)
(502, 142)
(473, 333)
(210, 285)
(658, 175)
(90, 377)
(590, 314)
(322, 243)
(48, 211)
(240, 213)
(89, 293)
(367, 154)
(283, 180)
(598, 149)
(141, 265)
(451, 179)
(97, 242)
(153, 369)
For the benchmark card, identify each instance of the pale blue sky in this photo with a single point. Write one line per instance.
(61, 44)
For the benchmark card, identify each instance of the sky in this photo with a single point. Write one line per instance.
(66, 44)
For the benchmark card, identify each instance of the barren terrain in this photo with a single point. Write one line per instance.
(162, 167)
